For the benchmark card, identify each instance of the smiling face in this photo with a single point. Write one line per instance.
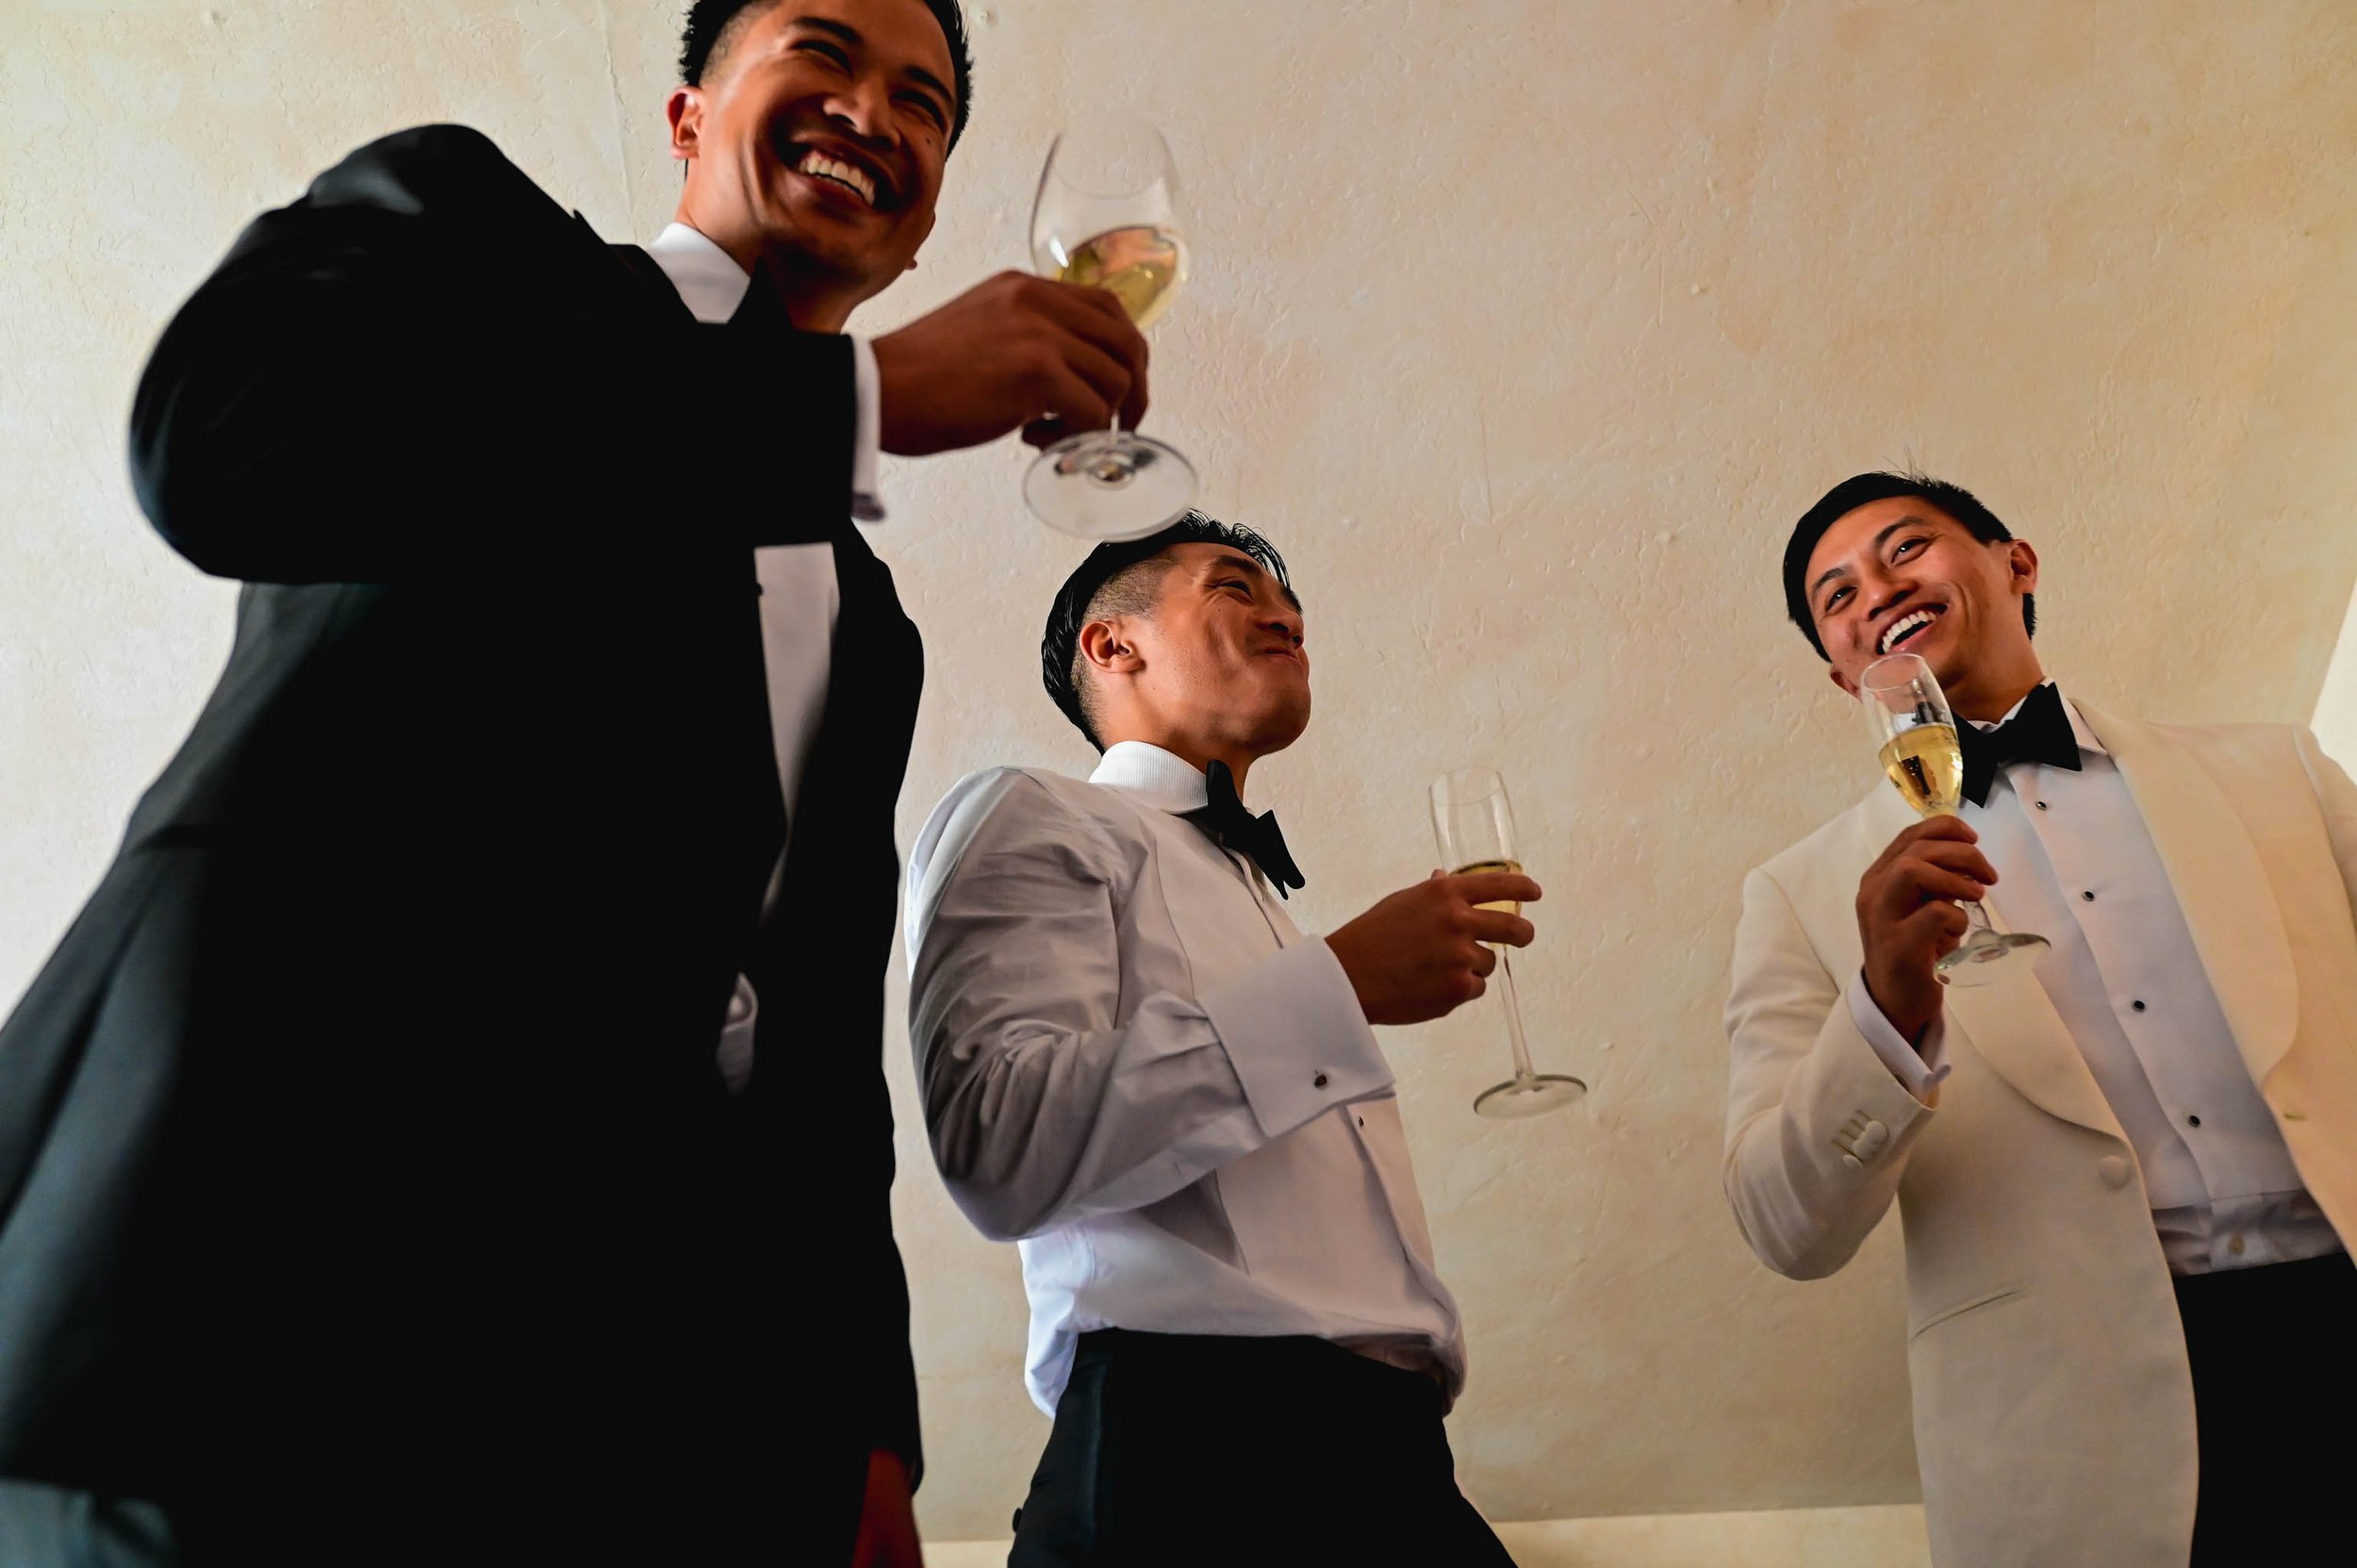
(1218, 668)
(1903, 576)
(816, 143)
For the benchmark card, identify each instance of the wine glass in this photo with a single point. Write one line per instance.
(1915, 737)
(1108, 215)
(1474, 823)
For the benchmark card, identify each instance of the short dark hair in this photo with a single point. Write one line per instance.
(1120, 579)
(711, 27)
(1861, 489)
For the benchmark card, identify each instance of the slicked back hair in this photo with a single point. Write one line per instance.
(1862, 489)
(713, 25)
(1126, 579)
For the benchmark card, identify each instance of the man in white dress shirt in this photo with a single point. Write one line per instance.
(1135, 1067)
(2127, 1175)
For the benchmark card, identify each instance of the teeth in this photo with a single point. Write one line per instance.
(1900, 627)
(824, 167)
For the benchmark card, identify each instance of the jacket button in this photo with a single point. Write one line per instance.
(2114, 1170)
(1854, 1161)
(1871, 1139)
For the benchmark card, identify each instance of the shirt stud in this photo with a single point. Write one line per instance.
(1318, 1083)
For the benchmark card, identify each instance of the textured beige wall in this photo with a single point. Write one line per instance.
(1524, 327)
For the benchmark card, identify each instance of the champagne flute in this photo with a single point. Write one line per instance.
(1474, 823)
(1108, 215)
(1915, 737)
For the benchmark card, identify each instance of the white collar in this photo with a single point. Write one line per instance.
(709, 281)
(2089, 740)
(1164, 779)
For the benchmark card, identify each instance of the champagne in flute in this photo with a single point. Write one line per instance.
(1509, 906)
(1915, 738)
(1142, 264)
(1927, 765)
(1474, 823)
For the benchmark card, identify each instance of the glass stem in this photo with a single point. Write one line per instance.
(1982, 916)
(1513, 1018)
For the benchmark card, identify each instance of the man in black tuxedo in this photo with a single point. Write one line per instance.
(455, 1130)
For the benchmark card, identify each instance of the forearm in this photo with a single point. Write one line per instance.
(1034, 1126)
(1810, 1174)
(1819, 1120)
(356, 396)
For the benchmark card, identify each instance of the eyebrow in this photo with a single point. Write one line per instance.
(1247, 564)
(852, 36)
(1910, 520)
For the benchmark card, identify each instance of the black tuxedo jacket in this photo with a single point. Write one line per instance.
(362, 1154)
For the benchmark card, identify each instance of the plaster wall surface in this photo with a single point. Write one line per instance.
(1525, 327)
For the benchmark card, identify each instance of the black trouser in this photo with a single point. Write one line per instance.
(1205, 1450)
(2274, 1353)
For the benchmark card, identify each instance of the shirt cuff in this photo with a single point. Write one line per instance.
(1297, 1038)
(1920, 1068)
(867, 433)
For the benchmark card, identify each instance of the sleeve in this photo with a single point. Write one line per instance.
(2337, 799)
(424, 367)
(1053, 1090)
(1818, 1127)
(1923, 1068)
(867, 434)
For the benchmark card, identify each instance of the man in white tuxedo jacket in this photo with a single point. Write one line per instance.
(2126, 1172)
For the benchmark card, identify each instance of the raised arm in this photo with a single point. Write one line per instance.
(1807, 1174)
(425, 368)
(1049, 1094)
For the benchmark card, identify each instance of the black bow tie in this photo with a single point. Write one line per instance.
(2040, 732)
(1226, 820)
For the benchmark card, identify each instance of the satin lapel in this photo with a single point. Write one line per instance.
(2014, 1029)
(2011, 1025)
(2223, 890)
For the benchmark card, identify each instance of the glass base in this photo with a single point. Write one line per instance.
(1988, 956)
(1110, 485)
(1534, 1095)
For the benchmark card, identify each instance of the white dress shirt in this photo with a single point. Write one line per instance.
(799, 597)
(2076, 865)
(1135, 1066)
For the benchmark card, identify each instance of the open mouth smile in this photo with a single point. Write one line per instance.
(1905, 629)
(870, 186)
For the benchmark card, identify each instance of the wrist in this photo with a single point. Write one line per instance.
(1911, 1022)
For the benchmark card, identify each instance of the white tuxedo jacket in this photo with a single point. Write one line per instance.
(2053, 1406)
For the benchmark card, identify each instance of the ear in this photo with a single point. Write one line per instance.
(685, 110)
(1109, 650)
(1849, 688)
(2021, 565)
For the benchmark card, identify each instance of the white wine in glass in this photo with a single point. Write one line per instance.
(1108, 217)
(1915, 739)
(1475, 824)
